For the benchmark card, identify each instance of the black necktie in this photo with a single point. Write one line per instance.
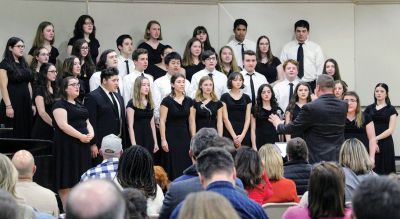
(290, 90)
(127, 67)
(253, 93)
(142, 74)
(210, 75)
(300, 59)
(242, 50)
(115, 105)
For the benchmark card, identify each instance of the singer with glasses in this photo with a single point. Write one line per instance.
(207, 109)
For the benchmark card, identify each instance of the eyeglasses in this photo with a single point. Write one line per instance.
(85, 48)
(211, 58)
(54, 71)
(20, 46)
(75, 85)
(88, 23)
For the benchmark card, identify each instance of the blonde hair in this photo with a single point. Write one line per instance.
(208, 205)
(199, 92)
(136, 94)
(8, 175)
(353, 155)
(273, 161)
(233, 64)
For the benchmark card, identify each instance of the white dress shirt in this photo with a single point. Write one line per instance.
(122, 66)
(128, 82)
(237, 49)
(94, 82)
(313, 58)
(281, 90)
(161, 89)
(258, 80)
(220, 79)
(110, 98)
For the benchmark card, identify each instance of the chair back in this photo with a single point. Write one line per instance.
(276, 210)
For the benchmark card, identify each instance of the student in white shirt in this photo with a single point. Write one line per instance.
(240, 44)
(140, 59)
(108, 59)
(282, 89)
(162, 86)
(249, 75)
(209, 59)
(125, 62)
(313, 58)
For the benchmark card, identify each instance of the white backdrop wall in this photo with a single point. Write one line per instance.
(363, 38)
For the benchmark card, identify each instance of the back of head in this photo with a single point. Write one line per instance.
(273, 161)
(208, 205)
(353, 155)
(95, 199)
(8, 175)
(297, 149)
(111, 146)
(24, 162)
(202, 140)
(325, 82)
(326, 197)
(136, 203)
(248, 166)
(214, 160)
(377, 197)
(161, 177)
(8, 206)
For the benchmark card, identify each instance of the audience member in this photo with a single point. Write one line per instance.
(331, 68)
(307, 53)
(297, 167)
(227, 61)
(325, 195)
(384, 116)
(322, 121)
(200, 32)
(111, 150)
(339, 89)
(161, 178)
(217, 174)
(136, 170)
(8, 206)
(210, 205)
(34, 195)
(191, 58)
(44, 38)
(267, 64)
(95, 199)
(375, 198)
(284, 89)
(153, 36)
(356, 165)
(160, 69)
(240, 44)
(283, 190)
(136, 204)
(249, 168)
(125, 48)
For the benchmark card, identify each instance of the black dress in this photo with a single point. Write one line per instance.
(155, 71)
(207, 118)
(42, 130)
(294, 114)
(237, 115)
(154, 54)
(18, 91)
(192, 69)
(269, 69)
(72, 157)
(94, 46)
(141, 126)
(53, 54)
(352, 131)
(265, 130)
(177, 135)
(384, 160)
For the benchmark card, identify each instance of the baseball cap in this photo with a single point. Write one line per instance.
(111, 145)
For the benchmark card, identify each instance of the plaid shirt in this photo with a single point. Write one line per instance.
(106, 170)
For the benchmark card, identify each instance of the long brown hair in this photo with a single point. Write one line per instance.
(136, 98)
(38, 41)
(199, 92)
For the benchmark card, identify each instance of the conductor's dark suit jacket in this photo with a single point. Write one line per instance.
(103, 116)
(323, 122)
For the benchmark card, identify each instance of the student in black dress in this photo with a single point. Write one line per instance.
(207, 110)
(72, 134)
(262, 130)
(383, 115)
(153, 36)
(174, 129)
(44, 38)
(140, 116)
(227, 61)
(16, 109)
(85, 29)
(200, 32)
(237, 110)
(160, 69)
(81, 50)
(40, 56)
(72, 68)
(331, 68)
(45, 94)
(191, 58)
(301, 96)
(267, 64)
(339, 89)
(359, 125)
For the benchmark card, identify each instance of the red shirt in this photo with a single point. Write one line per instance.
(262, 192)
(284, 190)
